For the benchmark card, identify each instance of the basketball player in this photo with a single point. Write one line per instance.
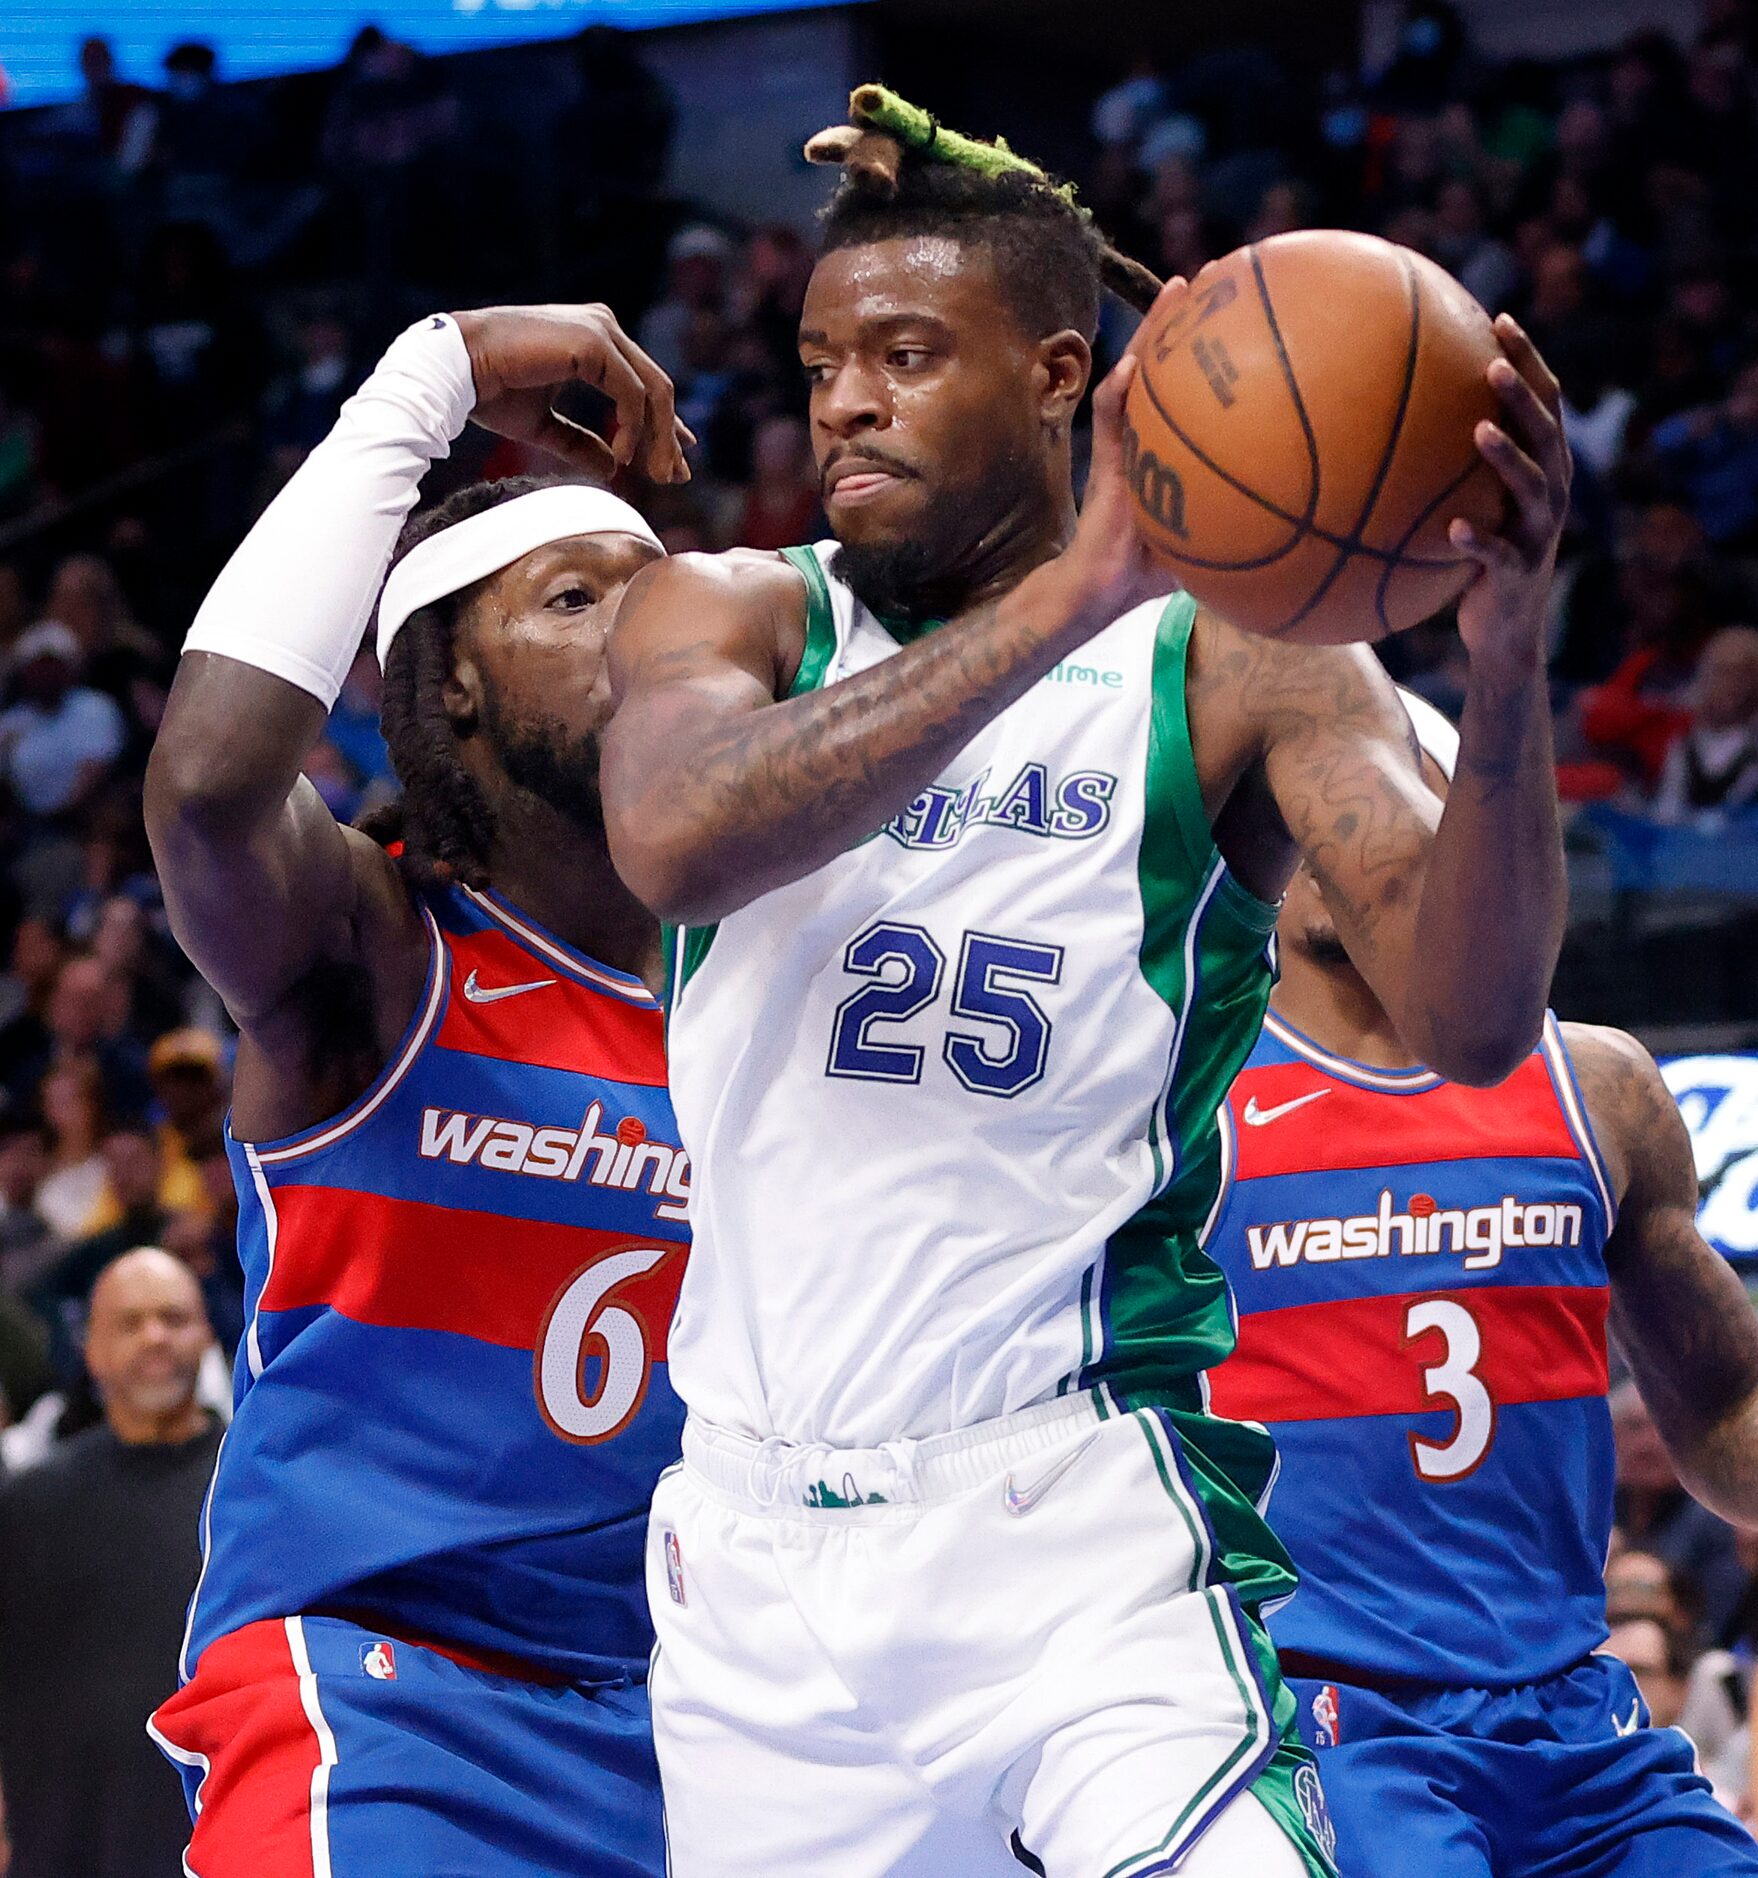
(419, 1640)
(971, 847)
(1423, 1273)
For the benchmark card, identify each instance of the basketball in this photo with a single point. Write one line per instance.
(1300, 435)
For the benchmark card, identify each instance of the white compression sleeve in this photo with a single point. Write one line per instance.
(296, 595)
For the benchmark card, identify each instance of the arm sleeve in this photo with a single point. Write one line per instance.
(296, 596)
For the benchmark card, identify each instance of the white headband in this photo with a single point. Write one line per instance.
(1433, 731)
(471, 550)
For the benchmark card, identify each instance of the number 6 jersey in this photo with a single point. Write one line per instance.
(452, 1402)
(951, 1099)
(1420, 1275)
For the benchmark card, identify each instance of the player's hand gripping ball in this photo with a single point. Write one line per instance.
(1301, 434)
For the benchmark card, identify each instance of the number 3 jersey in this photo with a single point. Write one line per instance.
(950, 1099)
(452, 1398)
(1420, 1277)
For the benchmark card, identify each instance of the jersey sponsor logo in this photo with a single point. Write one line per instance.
(1261, 1118)
(1480, 1233)
(624, 1159)
(1326, 1717)
(379, 1660)
(1075, 808)
(492, 994)
(1091, 676)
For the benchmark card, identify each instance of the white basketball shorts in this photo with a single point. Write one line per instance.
(976, 1654)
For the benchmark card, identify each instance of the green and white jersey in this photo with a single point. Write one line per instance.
(950, 1101)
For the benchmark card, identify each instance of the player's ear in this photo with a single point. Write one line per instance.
(1064, 365)
(462, 693)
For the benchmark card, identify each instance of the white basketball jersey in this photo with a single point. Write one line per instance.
(950, 1100)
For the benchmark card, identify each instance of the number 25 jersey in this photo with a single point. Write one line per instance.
(950, 1098)
(1420, 1276)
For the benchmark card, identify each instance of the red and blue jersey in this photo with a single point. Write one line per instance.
(1420, 1279)
(452, 1397)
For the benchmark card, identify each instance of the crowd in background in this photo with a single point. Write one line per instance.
(194, 274)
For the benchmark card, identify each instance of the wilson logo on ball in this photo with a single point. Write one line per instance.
(1157, 485)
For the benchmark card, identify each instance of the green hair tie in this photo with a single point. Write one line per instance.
(875, 107)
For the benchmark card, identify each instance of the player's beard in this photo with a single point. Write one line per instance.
(544, 759)
(926, 573)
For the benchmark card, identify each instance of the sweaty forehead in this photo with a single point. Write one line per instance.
(936, 276)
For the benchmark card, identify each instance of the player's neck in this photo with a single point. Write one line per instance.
(562, 877)
(1334, 1007)
(1024, 539)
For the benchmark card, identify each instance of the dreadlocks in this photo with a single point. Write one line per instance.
(444, 821)
(904, 174)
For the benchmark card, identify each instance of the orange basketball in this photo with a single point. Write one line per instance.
(1300, 435)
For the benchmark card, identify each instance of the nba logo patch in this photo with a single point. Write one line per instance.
(1325, 1715)
(379, 1661)
(674, 1568)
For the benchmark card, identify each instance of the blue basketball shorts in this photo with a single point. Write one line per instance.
(1563, 1778)
(313, 1748)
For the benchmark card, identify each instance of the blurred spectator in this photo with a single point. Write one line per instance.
(1641, 1584)
(392, 120)
(115, 117)
(1709, 457)
(190, 1084)
(1656, 1514)
(117, 656)
(72, 1095)
(85, 1017)
(27, 1244)
(697, 263)
(203, 135)
(60, 740)
(38, 953)
(129, 1210)
(781, 506)
(98, 1558)
(124, 949)
(206, 1240)
(769, 294)
(1712, 766)
(301, 404)
(1659, 1662)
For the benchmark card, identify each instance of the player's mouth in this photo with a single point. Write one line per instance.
(851, 480)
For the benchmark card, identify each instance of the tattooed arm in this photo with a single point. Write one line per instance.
(1680, 1315)
(1456, 927)
(715, 793)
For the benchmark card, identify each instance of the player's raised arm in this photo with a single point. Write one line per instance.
(1456, 924)
(1678, 1312)
(260, 882)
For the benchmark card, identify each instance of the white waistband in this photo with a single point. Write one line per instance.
(784, 1477)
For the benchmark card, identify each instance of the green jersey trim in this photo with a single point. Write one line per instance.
(820, 650)
(1175, 805)
(687, 946)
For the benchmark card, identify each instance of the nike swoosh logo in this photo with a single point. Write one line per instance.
(1629, 1727)
(1017, 1501)
(1261, 1118)
(493, 995)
